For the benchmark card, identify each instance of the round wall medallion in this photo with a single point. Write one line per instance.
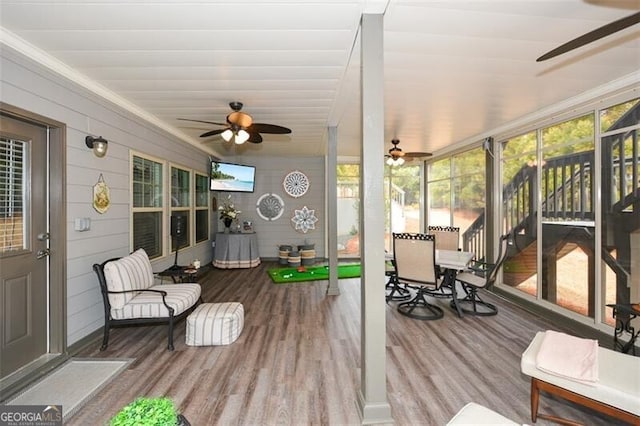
(270, 206)
(296, 184)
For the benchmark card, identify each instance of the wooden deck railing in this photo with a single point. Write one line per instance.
(567, 191)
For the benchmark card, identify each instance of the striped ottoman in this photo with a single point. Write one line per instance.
(215, 324)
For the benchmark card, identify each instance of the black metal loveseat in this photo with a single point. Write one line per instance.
(131, 298)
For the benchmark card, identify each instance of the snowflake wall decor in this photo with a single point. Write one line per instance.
(304, 220)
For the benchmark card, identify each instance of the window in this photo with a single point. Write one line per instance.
(439, 193)
(348, 207)
(181, 204)
(12, 172)
(402, 193)
(519, 177)
(456, 197)
(147, 178)
(620, 205)
(202, 208)
(555, 180)
(468, 181)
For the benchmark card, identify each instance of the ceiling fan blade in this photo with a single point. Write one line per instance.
(202, 121)
(417, 154)
(212, 132)
(268, 128)
(254, 137)
(591, 36)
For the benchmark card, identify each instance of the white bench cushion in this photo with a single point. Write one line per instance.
(476, 414)
(215, 324)
(149, 305)
(131, 272)
(618, 377)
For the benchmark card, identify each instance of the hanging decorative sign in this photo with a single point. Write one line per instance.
(270, 206)
(296, 184)
(304, 220)
(101, 197)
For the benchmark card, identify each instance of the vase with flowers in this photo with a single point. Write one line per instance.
(228, 213)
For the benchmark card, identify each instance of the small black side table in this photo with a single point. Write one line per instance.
(624, 313)
(180, 274)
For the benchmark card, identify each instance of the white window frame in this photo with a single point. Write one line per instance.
(189, 208)
(197, 208)
(161, 209)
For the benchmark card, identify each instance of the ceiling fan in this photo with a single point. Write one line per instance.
(592, 36)
(397, 156)
(240, 127)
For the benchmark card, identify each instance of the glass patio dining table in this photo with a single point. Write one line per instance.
(452, 261)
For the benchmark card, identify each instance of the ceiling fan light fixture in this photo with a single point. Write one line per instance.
(241, 137)
(227, 135)
(395, 161)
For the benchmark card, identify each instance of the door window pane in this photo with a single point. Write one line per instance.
(13, 164)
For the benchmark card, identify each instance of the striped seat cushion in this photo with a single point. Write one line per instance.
(215, 324)
(131, 272)
(149, 305)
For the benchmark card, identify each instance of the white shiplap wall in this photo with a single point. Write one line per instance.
(270, 172)
(28, 86)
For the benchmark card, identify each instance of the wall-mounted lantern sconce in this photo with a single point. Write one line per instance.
(98, 145)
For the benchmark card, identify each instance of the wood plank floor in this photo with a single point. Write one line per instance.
(297, 361)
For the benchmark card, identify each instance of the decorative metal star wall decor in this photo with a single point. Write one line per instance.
(304, 220)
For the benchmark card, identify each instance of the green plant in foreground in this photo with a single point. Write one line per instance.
(147, 412)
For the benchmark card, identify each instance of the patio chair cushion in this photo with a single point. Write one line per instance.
(131, 272)
(618, 382)
(145, 304)
(476, 414)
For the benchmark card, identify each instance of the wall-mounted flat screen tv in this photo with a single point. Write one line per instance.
(231, 177)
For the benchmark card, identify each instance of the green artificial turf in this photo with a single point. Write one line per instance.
(311, 273)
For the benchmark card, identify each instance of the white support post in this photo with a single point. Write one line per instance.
(332, 211)
(373, 404)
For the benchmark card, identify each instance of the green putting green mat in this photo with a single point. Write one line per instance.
(311, 273)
